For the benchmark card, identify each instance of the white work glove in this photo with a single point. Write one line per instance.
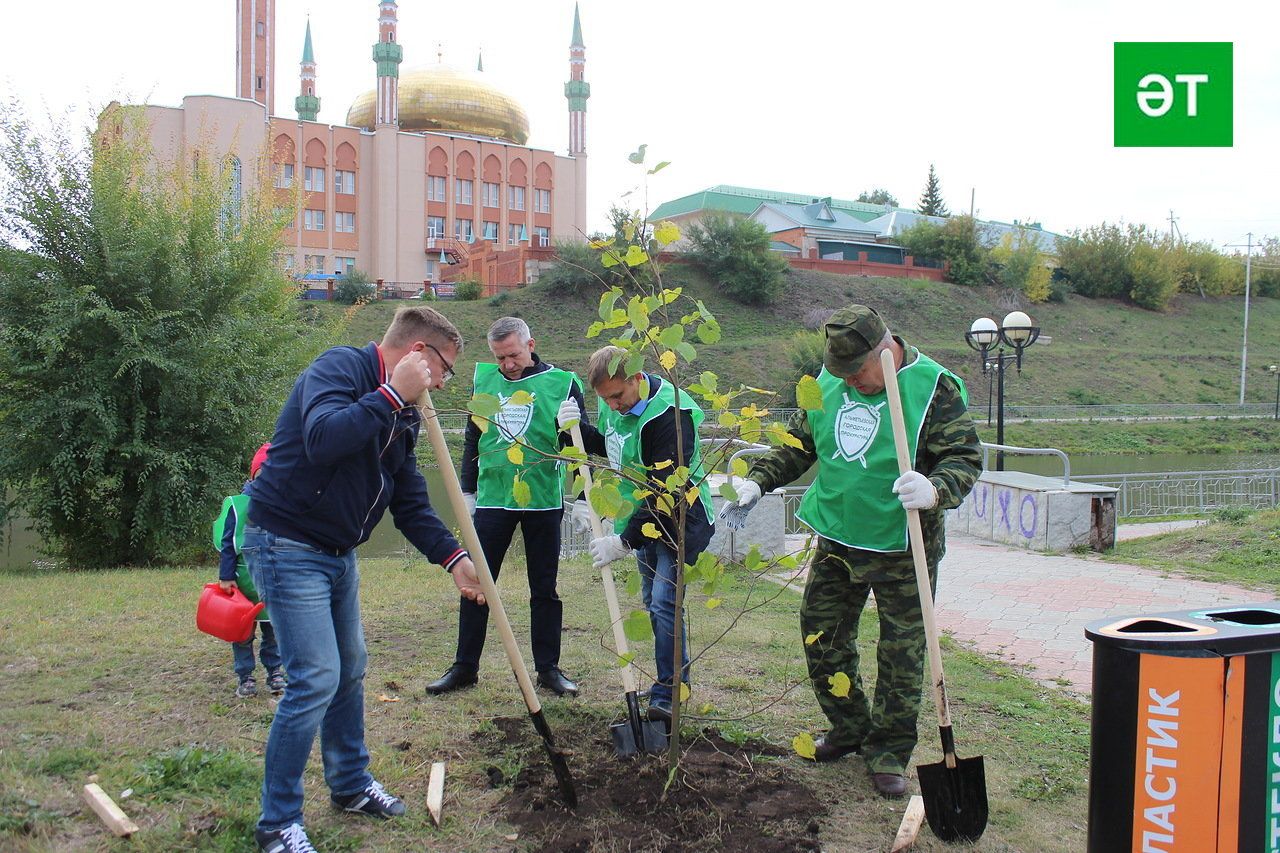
(581, 516)
(606, 549)
(470, 498)
(734, 514)
(568, 413)
(915, 491)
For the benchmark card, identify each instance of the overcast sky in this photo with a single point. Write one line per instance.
(1009, 100)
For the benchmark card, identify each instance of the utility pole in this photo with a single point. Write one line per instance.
(973, 191)
(1244, 346)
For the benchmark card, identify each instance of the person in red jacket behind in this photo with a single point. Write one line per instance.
(341, 455)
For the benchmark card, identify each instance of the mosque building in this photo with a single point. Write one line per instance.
(430, 179)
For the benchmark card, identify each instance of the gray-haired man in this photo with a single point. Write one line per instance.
(487, 479)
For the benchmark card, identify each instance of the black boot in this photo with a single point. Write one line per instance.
(454, 677)
(555, 681)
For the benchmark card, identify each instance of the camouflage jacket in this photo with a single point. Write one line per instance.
(949, 454)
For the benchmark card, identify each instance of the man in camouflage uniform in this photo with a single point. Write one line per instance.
(862, 530)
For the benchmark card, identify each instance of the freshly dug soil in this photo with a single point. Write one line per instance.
(725, 797)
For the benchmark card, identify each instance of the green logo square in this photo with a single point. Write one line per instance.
(1173, 94)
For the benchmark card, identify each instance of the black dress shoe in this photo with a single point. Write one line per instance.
(891, 785)
(823, 751)
(555, 681)
(454, 677)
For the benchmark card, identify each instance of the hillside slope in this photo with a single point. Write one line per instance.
(1101, 351)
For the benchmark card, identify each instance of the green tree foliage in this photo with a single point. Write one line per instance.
(1152, 278)
(931, 203)
(805, 353)
(352, 288)
(1020, 265)
(923, 240)
(1096, 261)
(735, 252)
(1264, 273)
(1199, 268)
(467, 290)
(878, 196)
(958, 241)
(146, 339)
(577, 270)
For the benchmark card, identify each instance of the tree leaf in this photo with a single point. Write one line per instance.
(658, 168)
(804, 746)
(625, 660)
(684, 692)
(575, 454)
(607, 301)
(727, 419)
(632, 584)
(708, 333)
(637, 156)
(728, 492)
(579, 483)
(484, 405)
(635, 256)
(635, 363)
(637, 626)
(651, 530)
(481, 423)
(840, 685)
(810, 639)
(663, 465)
(738, 467)
(610, 258)
(515, 455)
(808, 393)
(667, 359)
(520, 398)
(713, 603)
(521, 492)
(638, 314)
(692, 496)
(671, 336)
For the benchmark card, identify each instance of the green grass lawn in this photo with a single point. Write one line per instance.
(105, 673)
(1242, 550)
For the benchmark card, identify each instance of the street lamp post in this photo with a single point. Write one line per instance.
(1274, 370)
(1016, 333)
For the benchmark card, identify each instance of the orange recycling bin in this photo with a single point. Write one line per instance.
(1185, 742)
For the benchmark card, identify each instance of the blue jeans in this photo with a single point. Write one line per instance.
(315, 609)
(658, 585)
(268, 652)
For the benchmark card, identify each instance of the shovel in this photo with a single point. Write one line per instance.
(954, 789)
(559, 764)
(635, 735)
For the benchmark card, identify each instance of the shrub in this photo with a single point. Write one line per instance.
(1021, 265)
(805, 353)
(735, 252)
(499, 299)
(467, 290)
(353, 287)
(957, 241)
(147, 338)
(577, 270)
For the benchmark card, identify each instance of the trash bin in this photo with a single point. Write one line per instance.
(1185, 745)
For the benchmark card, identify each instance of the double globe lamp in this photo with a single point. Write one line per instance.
(1016, 333)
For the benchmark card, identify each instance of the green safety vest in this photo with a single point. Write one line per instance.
(851, 500)
(239, 505)
(622, 445)
(535, 425)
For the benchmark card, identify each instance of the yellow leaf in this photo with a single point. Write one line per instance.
(482, 424)
(738, 467)
(692, 496)
(515, 455)
(651, 530)
(713, 603)
(840, 685)
(810, 639)
(808, 393)
(667, 359)
(665, 463)
(804, 746)
(521, 492)
(684, 692)
(667, 232)
(727, 419)
(520, 398)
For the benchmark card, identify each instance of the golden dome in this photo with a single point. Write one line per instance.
(446, 99)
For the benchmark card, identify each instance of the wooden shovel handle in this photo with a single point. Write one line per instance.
(917, 547)
(472, 542)
(606, 573)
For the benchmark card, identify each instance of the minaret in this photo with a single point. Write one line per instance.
(307, 104)
(256, 52)
(576, 91)
(480, 60)
(387, 55)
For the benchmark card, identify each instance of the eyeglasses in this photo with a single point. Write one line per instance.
(448, 368)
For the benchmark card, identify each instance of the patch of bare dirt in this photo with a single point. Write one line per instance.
(726, 797)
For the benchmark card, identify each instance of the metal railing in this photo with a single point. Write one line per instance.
(1128, 410)
(1028, 451)
(1190, 492)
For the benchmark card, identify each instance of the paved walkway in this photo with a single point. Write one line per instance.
(1030, 608)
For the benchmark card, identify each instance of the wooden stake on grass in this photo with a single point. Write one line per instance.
(115, 819)
(910, 827)
(435, 791)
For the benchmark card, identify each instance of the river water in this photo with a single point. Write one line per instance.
(21, 546)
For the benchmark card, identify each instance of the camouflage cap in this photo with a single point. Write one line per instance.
(851, 333)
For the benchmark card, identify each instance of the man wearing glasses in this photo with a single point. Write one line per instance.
(488, 477)
(342, 453)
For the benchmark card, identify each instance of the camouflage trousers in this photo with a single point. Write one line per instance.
(840, 579)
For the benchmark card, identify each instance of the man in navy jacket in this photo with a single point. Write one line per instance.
(341, 455)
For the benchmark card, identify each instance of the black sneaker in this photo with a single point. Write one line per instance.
(276, 681)
(372, 801)
(291, 839)
(247, 688)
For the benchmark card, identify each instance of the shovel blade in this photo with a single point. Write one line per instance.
(625, 744)
(559, 763)
(955, 800)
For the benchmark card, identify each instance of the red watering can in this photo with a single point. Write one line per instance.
(226, 615)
